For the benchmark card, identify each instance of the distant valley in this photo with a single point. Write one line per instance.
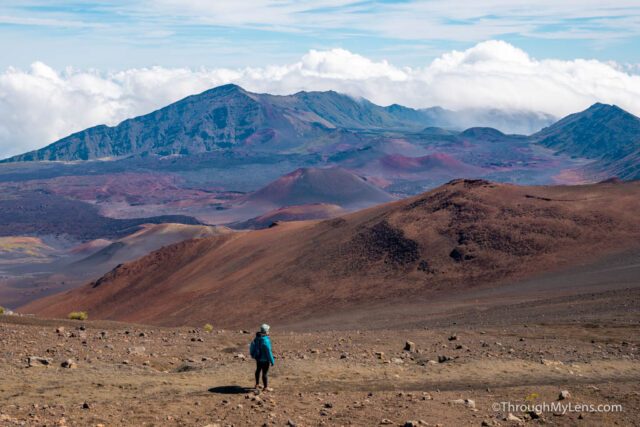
(249, 161)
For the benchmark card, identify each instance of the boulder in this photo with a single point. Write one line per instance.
(409, 346)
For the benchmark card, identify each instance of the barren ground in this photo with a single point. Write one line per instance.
(138, 375)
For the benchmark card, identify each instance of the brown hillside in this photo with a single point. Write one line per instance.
(461, 235)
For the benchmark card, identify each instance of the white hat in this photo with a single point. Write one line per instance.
(264, 328)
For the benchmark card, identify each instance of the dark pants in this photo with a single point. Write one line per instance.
(264, 368)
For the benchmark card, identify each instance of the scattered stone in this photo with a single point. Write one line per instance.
(136, 350)
(511, 417)
(38, 362)
(443, 359)
(534, 415)
(551, 362)
(466, 402)
(453, 337)
(564, 394)
(410, 346)
(69, 364)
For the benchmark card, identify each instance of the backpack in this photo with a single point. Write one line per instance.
(255, 350)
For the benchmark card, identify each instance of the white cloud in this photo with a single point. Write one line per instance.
(40, 105)
(460, 20)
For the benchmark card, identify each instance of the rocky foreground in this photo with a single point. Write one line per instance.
(100, 373)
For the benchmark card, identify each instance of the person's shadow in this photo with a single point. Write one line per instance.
(230, 389)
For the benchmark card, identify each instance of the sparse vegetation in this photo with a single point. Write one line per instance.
(78, 315)
(208, 328)
(1, 310)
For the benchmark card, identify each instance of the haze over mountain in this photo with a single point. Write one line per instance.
(459, 236)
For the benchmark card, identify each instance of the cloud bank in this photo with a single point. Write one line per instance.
(41, 105)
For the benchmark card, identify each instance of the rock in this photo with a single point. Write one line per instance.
(69, 364)
(240, 356)
(411, 423)
(142, 334)
(60, 330)
(511, 417)
(534, 415)
(38, 362)
(397, 360)
(564, 394)
(344, 356)
(85, 405)
(443, 358)
(136, 350)
(409, 346)
(328, 405)
(466, 402)
(453, 337)
(386, 421)
(380, 354)
(290, 423)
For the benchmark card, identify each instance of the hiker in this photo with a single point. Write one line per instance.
(260, 350)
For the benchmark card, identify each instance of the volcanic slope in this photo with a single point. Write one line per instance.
(151, 237)
(315, 185)
(462, 235)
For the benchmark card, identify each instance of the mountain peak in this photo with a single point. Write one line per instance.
(599, 107)
(602, 130)
(227, 89)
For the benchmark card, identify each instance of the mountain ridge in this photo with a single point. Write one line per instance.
(228, 116)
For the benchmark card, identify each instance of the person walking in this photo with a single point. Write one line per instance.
(260, 350)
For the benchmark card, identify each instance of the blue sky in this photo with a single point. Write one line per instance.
(118, 34)
(69, 65)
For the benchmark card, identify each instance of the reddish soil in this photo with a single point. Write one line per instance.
(459, 237)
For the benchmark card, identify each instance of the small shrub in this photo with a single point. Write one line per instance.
(1, 310)
(78, 315)
(208, 328)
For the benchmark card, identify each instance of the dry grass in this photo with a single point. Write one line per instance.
(78, 315)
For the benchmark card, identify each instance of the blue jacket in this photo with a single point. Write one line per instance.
(264, 345)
